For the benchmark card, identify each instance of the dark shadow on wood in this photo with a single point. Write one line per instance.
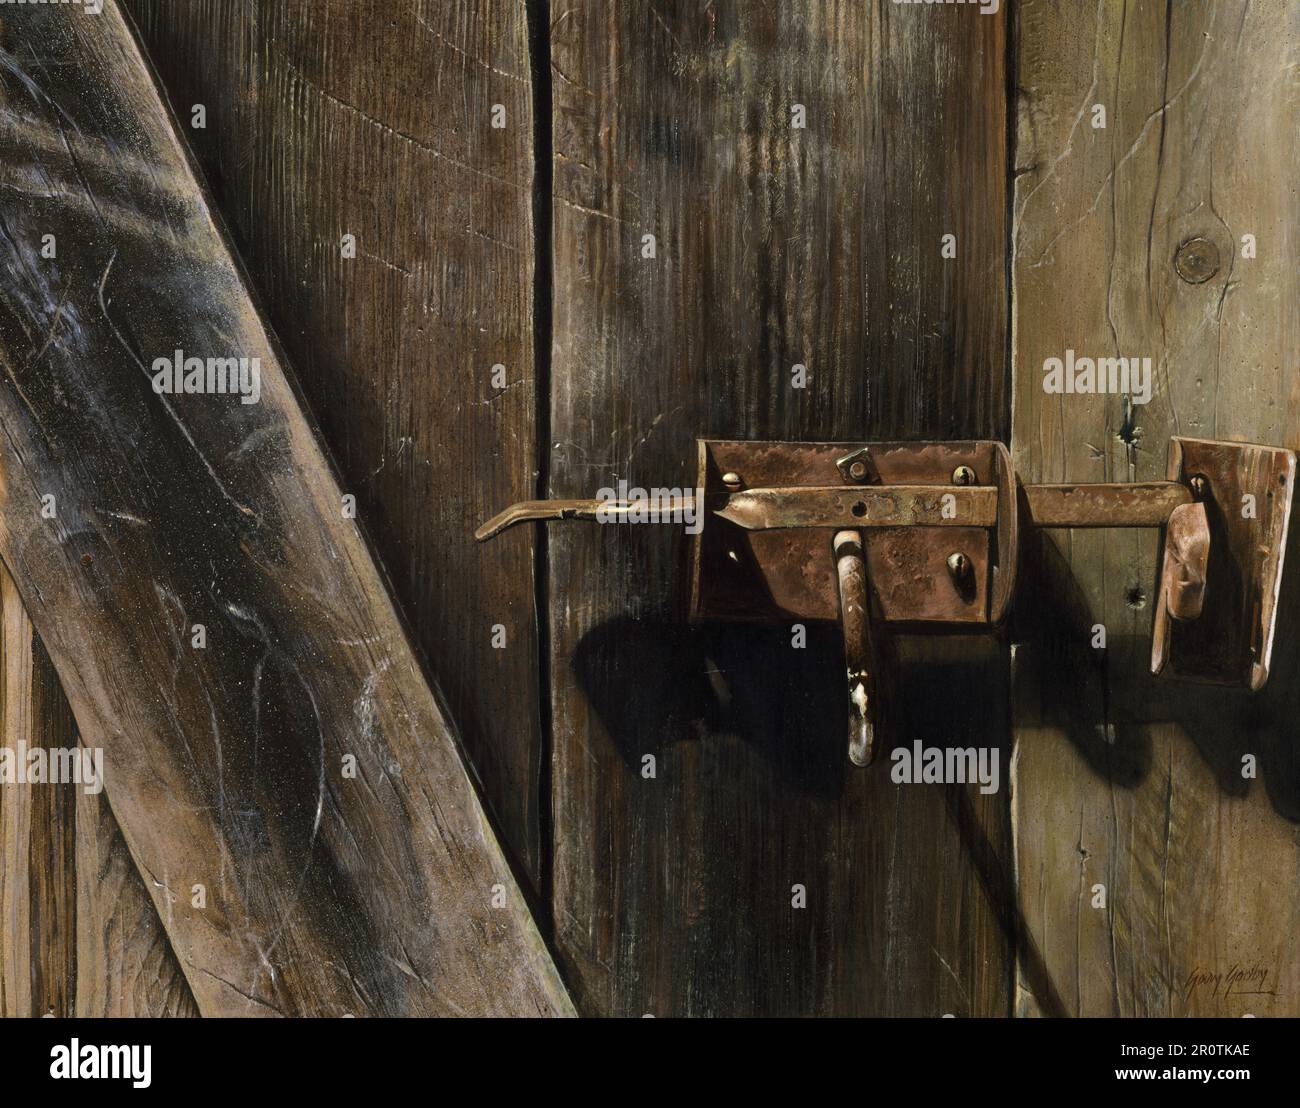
(1111, 697)
(700, 683)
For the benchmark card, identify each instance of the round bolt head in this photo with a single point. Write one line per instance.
(1197, 260)
(963, 475)
(731, 480)
(858, 470)
(1200, 486)
(958, 564)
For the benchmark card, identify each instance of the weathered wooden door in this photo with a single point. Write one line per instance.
(1155, 823)
(514, 251)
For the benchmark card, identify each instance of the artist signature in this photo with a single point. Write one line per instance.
(1240, 979)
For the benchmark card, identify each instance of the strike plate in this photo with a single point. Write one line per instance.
(1246, 491)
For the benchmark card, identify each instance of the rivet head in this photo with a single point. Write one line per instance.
(963, 475)
(1200, 486)
(731, 480)
(858, 470)
(958, 566)
(1197, 260)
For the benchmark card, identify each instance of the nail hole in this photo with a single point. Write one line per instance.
(860, 508)
(1135, 598)
(87, 560)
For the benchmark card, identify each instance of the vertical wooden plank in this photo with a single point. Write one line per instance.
(774, 245)
(1123, 782)
(333, 118)
(80, 933)
(37, 829)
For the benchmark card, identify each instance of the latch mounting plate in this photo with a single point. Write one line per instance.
(743, 574)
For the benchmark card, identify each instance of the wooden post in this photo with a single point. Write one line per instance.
(1156, 842)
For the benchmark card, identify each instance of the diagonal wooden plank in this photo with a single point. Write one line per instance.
(1150, 867)
(288, 883)
(313, 133)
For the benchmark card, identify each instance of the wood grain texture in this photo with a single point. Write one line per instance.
(373, 119)
(1123, 781)
(774, 246)
(326, 893)
(82, 936)
(125, 964)
(38, 958)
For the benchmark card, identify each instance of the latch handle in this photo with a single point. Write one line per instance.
(859, 650)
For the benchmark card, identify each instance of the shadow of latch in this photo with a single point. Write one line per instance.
(925, 536)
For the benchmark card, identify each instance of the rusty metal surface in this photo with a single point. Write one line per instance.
(1231, 642)
(939, 525)
(1183, 572)
(777, 574)
(601, 511)
(1137, 504)
(859, 652)
(1006, 545)
(851, 506)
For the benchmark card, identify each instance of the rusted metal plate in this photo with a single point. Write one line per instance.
(1247, 497)
(790, 574)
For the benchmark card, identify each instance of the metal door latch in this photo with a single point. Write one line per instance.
(926, 536)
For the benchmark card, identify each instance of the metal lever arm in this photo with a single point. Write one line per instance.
(609, 511)
(859, 650)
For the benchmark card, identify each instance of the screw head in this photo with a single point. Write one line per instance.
(856, 467)
(1197, 260)
(731, 480)
(963, 475)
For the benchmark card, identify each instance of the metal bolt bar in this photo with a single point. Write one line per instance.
(1142, 504)
(607, 511)
(872, 506)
